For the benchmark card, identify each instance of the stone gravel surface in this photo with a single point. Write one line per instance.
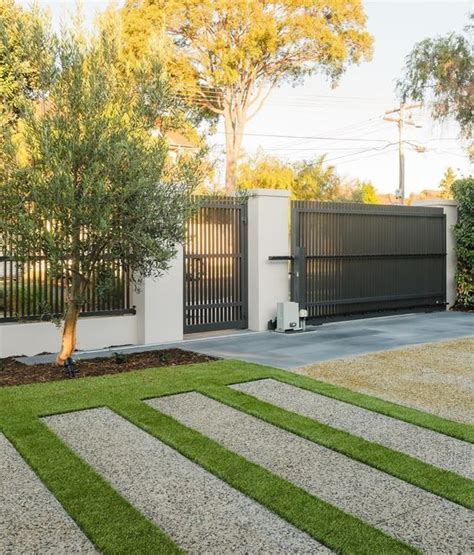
(31, 518)
(437, 377)
(200, 512)
(431, 447)
(404, 511)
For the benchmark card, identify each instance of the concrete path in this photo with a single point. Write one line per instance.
(426, 445)
(199, 511)
(31, 518)
(402, 510)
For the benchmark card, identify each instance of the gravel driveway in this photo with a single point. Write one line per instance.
(437, 377)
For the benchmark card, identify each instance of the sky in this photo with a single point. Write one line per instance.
(346, 123)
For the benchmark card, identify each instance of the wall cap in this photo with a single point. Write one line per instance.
(281, 193)
(435, 202)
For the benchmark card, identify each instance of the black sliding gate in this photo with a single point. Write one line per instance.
(353, 259)
(215, 266)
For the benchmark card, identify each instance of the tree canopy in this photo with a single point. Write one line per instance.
(441, 70)
(230, 54)
(446, 184)
(365, 193)
(23, 40)
(95, 185)
(306, 180)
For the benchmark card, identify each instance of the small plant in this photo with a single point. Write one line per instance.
(165, 357)
(121, 358)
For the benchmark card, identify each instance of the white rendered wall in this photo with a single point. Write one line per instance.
(159, 306)
(159, 319)
(268, 235)
(450, 209)
(93, 332)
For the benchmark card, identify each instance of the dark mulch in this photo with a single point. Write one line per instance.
(13, 372)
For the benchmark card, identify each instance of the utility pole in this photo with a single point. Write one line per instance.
(401, 122)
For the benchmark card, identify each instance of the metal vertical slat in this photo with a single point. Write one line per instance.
(244, 262)
(220, 292)
(367, 258)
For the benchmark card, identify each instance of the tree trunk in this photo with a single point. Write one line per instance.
(234, 127)
(69, 333)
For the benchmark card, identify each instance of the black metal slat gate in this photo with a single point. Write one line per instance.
(350, 259)
(215, 266)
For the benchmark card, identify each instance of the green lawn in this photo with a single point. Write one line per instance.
(116, 527)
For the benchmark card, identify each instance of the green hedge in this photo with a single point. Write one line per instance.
(463, 190)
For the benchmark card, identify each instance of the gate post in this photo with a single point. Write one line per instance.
(450, 209)
(268, 281)
(159, 305)
(298, 277)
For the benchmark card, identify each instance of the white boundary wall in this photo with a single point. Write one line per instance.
(159, 319)
(159, 304)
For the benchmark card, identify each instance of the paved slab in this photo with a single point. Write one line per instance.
(404, 511)
(339, 340)
(426, 445)
(199, 511)
(31, 518)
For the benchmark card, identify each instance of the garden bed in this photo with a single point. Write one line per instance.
(13, 372)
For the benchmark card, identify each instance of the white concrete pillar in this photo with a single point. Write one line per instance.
(159, 305)
(450, 209)
(268, 235)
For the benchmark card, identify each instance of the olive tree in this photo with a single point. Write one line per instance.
(96, 183)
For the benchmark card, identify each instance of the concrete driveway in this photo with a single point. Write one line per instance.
(337, 340)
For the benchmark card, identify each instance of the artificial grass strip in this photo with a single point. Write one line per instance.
(436, 480)
(111, 523)
(327, 524)
(458, 430)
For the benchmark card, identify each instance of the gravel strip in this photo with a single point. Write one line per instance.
(200, 512)
(31, 518)
(426, 445)
(404, 511)
(436, 378)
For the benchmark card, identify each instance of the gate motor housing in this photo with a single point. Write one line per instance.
(288, 317)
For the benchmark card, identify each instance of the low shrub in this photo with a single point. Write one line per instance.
(463, 190)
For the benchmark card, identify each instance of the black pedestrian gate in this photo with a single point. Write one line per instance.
(350, 259)
(215, 266)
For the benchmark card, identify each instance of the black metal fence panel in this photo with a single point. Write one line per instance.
(31, 290)
(215, 266)
(353, 258)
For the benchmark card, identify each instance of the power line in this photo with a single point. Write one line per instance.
(373, 155)
(312, 137)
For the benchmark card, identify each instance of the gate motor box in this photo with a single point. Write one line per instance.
(288, 317)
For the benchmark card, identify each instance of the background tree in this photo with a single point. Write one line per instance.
(441, 71)
(446, 183)
(95, 186)
(306, 180)
(364, 192)
(232, 53)
(265, 172)
(316, 181)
